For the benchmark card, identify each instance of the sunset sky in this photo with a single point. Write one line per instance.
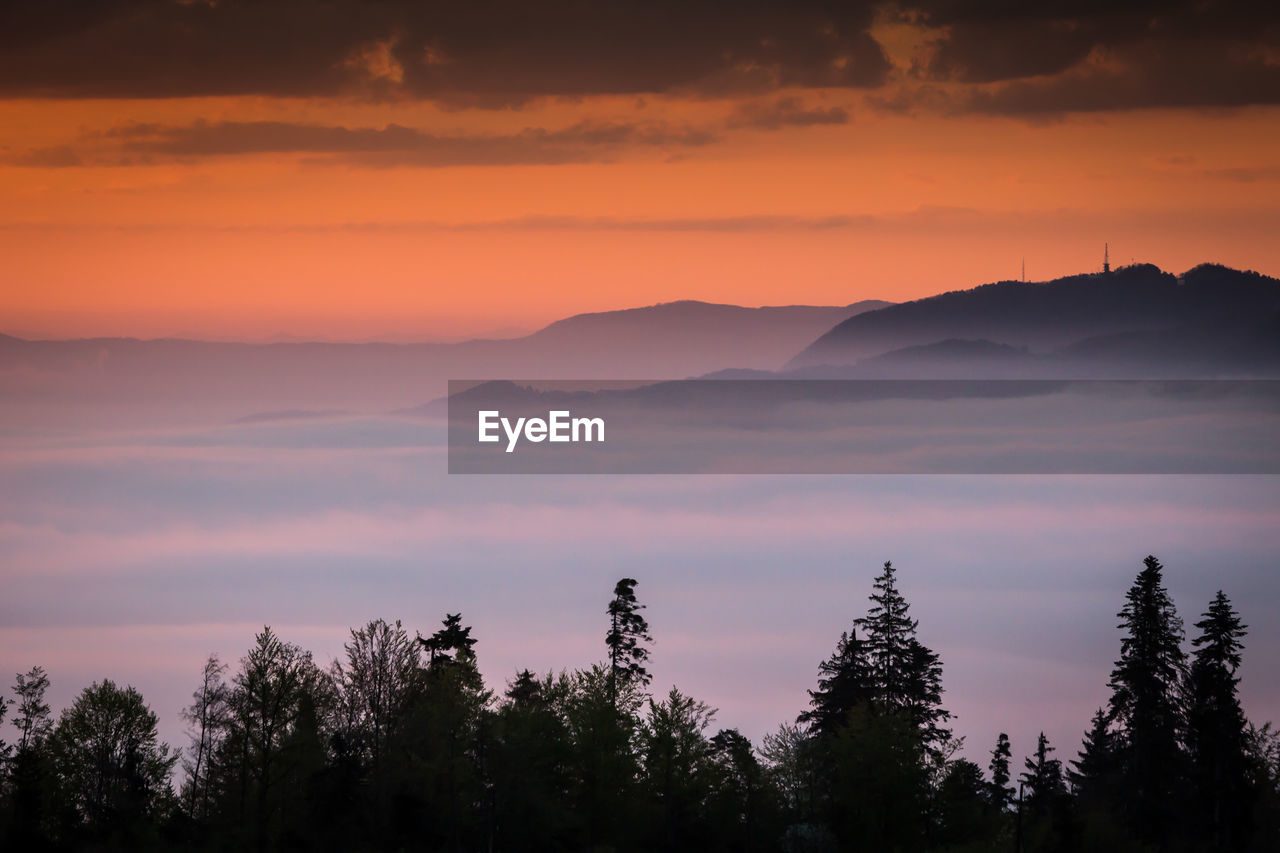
(353, 170)
(404, 170)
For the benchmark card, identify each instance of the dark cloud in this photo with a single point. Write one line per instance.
(999, 56)
(1085, 56)
(392, 145)
(496, 52)
(786, 112)
(1178, 74)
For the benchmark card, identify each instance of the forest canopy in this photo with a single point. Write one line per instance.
(401, 745)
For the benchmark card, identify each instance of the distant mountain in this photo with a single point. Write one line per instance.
(694, 328)
(124, 380)
(1046, 317)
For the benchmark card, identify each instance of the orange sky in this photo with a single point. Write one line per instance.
(697, 197)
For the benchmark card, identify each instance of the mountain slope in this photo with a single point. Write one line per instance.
(1046, 316)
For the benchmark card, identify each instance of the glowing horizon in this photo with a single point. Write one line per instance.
(201, 200)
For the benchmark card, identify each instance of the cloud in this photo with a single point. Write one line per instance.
(785, 112)
(1025, 59)
(1245, 174)
(491, 53)
(1186, 74)
(1002, 58)
(391, 145)
(136, 568)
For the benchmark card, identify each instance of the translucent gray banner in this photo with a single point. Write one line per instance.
(865, 427)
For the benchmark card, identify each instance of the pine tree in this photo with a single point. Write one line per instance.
(628, 632)
(526, 692)
(1097, 785)
(1147, 708)
(844, 682)
(923, 699)
(889, 630)
(1000, 792)
(1216, 726)
(1093, 770)
(527, 766)
(451, 643)
(1043, 781)
(443, 733)
(906, 676)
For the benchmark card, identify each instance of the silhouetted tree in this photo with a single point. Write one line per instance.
(375, 686)
(33, 720)
(845, 681)
(628, 632)
(793, 765)
(676, 768)
(879, 695)
(601, 715)
(1096, 785)
(206, 717)
(1000, 792)
(400, 746)
(276, 683)
(31, 778)
(905, 675)
(1042, 781)
(1262, 744)
(742, 808)
(1146, 705)
(528, 764)
(5, 748)
(1044, 808)
(113, 771)
(1094, 768)
(879, 785)
(963, 813)
(449, 643)
(442, 741)
(1216, 727)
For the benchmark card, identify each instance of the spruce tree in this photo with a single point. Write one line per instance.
(443, 736)
(1043, 782)
(1216, 726)
(1147, 708)
(1000, 792)
(1093, 770)
(844, 682)
(452, 643)
(906, 676)
(889, 630)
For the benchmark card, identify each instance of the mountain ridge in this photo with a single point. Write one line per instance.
(1047, 316)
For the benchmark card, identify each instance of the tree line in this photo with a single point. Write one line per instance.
(400, 745)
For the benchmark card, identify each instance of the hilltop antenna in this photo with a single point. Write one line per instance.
(1106, 258)
(1024, 270)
